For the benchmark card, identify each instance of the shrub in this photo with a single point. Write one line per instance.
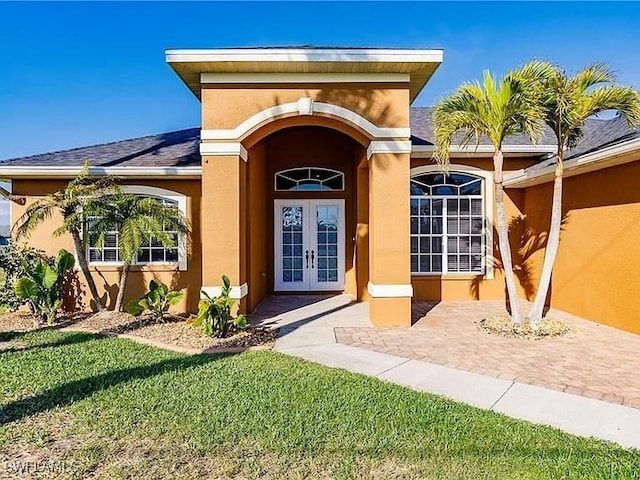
(16, 261)
(41, 287)
(215, 314)
(156, 301)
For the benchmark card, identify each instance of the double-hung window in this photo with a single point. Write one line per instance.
(447, 223)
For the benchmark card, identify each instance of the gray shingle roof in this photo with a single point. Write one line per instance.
(422, 131)
(171, 149)
(181, 148)
(599, 134)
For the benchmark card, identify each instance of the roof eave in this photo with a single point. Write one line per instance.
(426, 151)
(590, 162)
(34, 172)
(419, 63)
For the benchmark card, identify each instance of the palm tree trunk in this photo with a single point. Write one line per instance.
(84, 266)
(123, 283)
(553, 242)
(503, 240)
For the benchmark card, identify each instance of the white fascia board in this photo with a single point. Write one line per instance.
(304, 55)
(427, 150)
(261, 78)
(607, 157)
(68, 172)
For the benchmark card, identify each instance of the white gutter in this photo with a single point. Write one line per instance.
(422, 151)
(590, 162)
(70, 172)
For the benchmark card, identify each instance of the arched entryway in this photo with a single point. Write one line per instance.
(307, 211)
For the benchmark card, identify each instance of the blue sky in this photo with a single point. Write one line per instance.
(74, 74)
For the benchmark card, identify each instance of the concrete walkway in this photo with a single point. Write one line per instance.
(307, 331)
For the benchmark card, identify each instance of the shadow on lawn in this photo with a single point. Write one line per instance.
(75, 391)
(70, 339)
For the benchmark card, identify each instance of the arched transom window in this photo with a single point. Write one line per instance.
(447, 223)
(309, 179)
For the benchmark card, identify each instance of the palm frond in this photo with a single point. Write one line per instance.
(625, 100)
(34, 215)
(570, 101)
(590, 76)
(494, 109)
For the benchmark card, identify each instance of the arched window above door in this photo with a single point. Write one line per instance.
(309, 179)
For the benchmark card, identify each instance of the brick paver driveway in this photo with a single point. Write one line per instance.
(593, 360)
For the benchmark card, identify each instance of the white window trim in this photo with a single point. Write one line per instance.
(488, 205)
(284, 172)
(181, 200)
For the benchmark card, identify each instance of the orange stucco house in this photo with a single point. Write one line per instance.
(311, 172)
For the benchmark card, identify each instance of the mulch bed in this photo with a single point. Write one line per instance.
(503, 326)
(173, 331)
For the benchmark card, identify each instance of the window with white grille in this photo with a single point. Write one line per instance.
(447, 223)
(152, 251)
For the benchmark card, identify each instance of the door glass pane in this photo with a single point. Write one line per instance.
(291, 258)
(327, 242)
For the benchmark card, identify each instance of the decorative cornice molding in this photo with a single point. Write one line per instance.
(388, 146)
(224, 149)
(305, 106)
(277, 78)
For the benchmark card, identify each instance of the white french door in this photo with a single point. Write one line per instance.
(309, 245)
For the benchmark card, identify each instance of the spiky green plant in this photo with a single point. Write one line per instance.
(494, 109)
(137, 219)
(69, 202)
(568, 101)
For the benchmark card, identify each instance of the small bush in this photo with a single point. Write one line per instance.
(15, 262)
(156, 301)
(41, 287)
(215, 315)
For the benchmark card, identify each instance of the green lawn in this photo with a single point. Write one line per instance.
(115, 409)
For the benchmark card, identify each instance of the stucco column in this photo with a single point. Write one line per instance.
(389, 285)
(223, 219)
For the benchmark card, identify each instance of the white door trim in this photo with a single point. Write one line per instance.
(309, 243)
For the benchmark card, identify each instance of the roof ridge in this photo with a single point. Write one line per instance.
(67, 150)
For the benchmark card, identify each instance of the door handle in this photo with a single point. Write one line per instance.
(306, 254)
(313, 253)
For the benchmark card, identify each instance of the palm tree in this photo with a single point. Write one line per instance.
(137, 220)
(69, 202)
(495, 110)
(568, 103)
